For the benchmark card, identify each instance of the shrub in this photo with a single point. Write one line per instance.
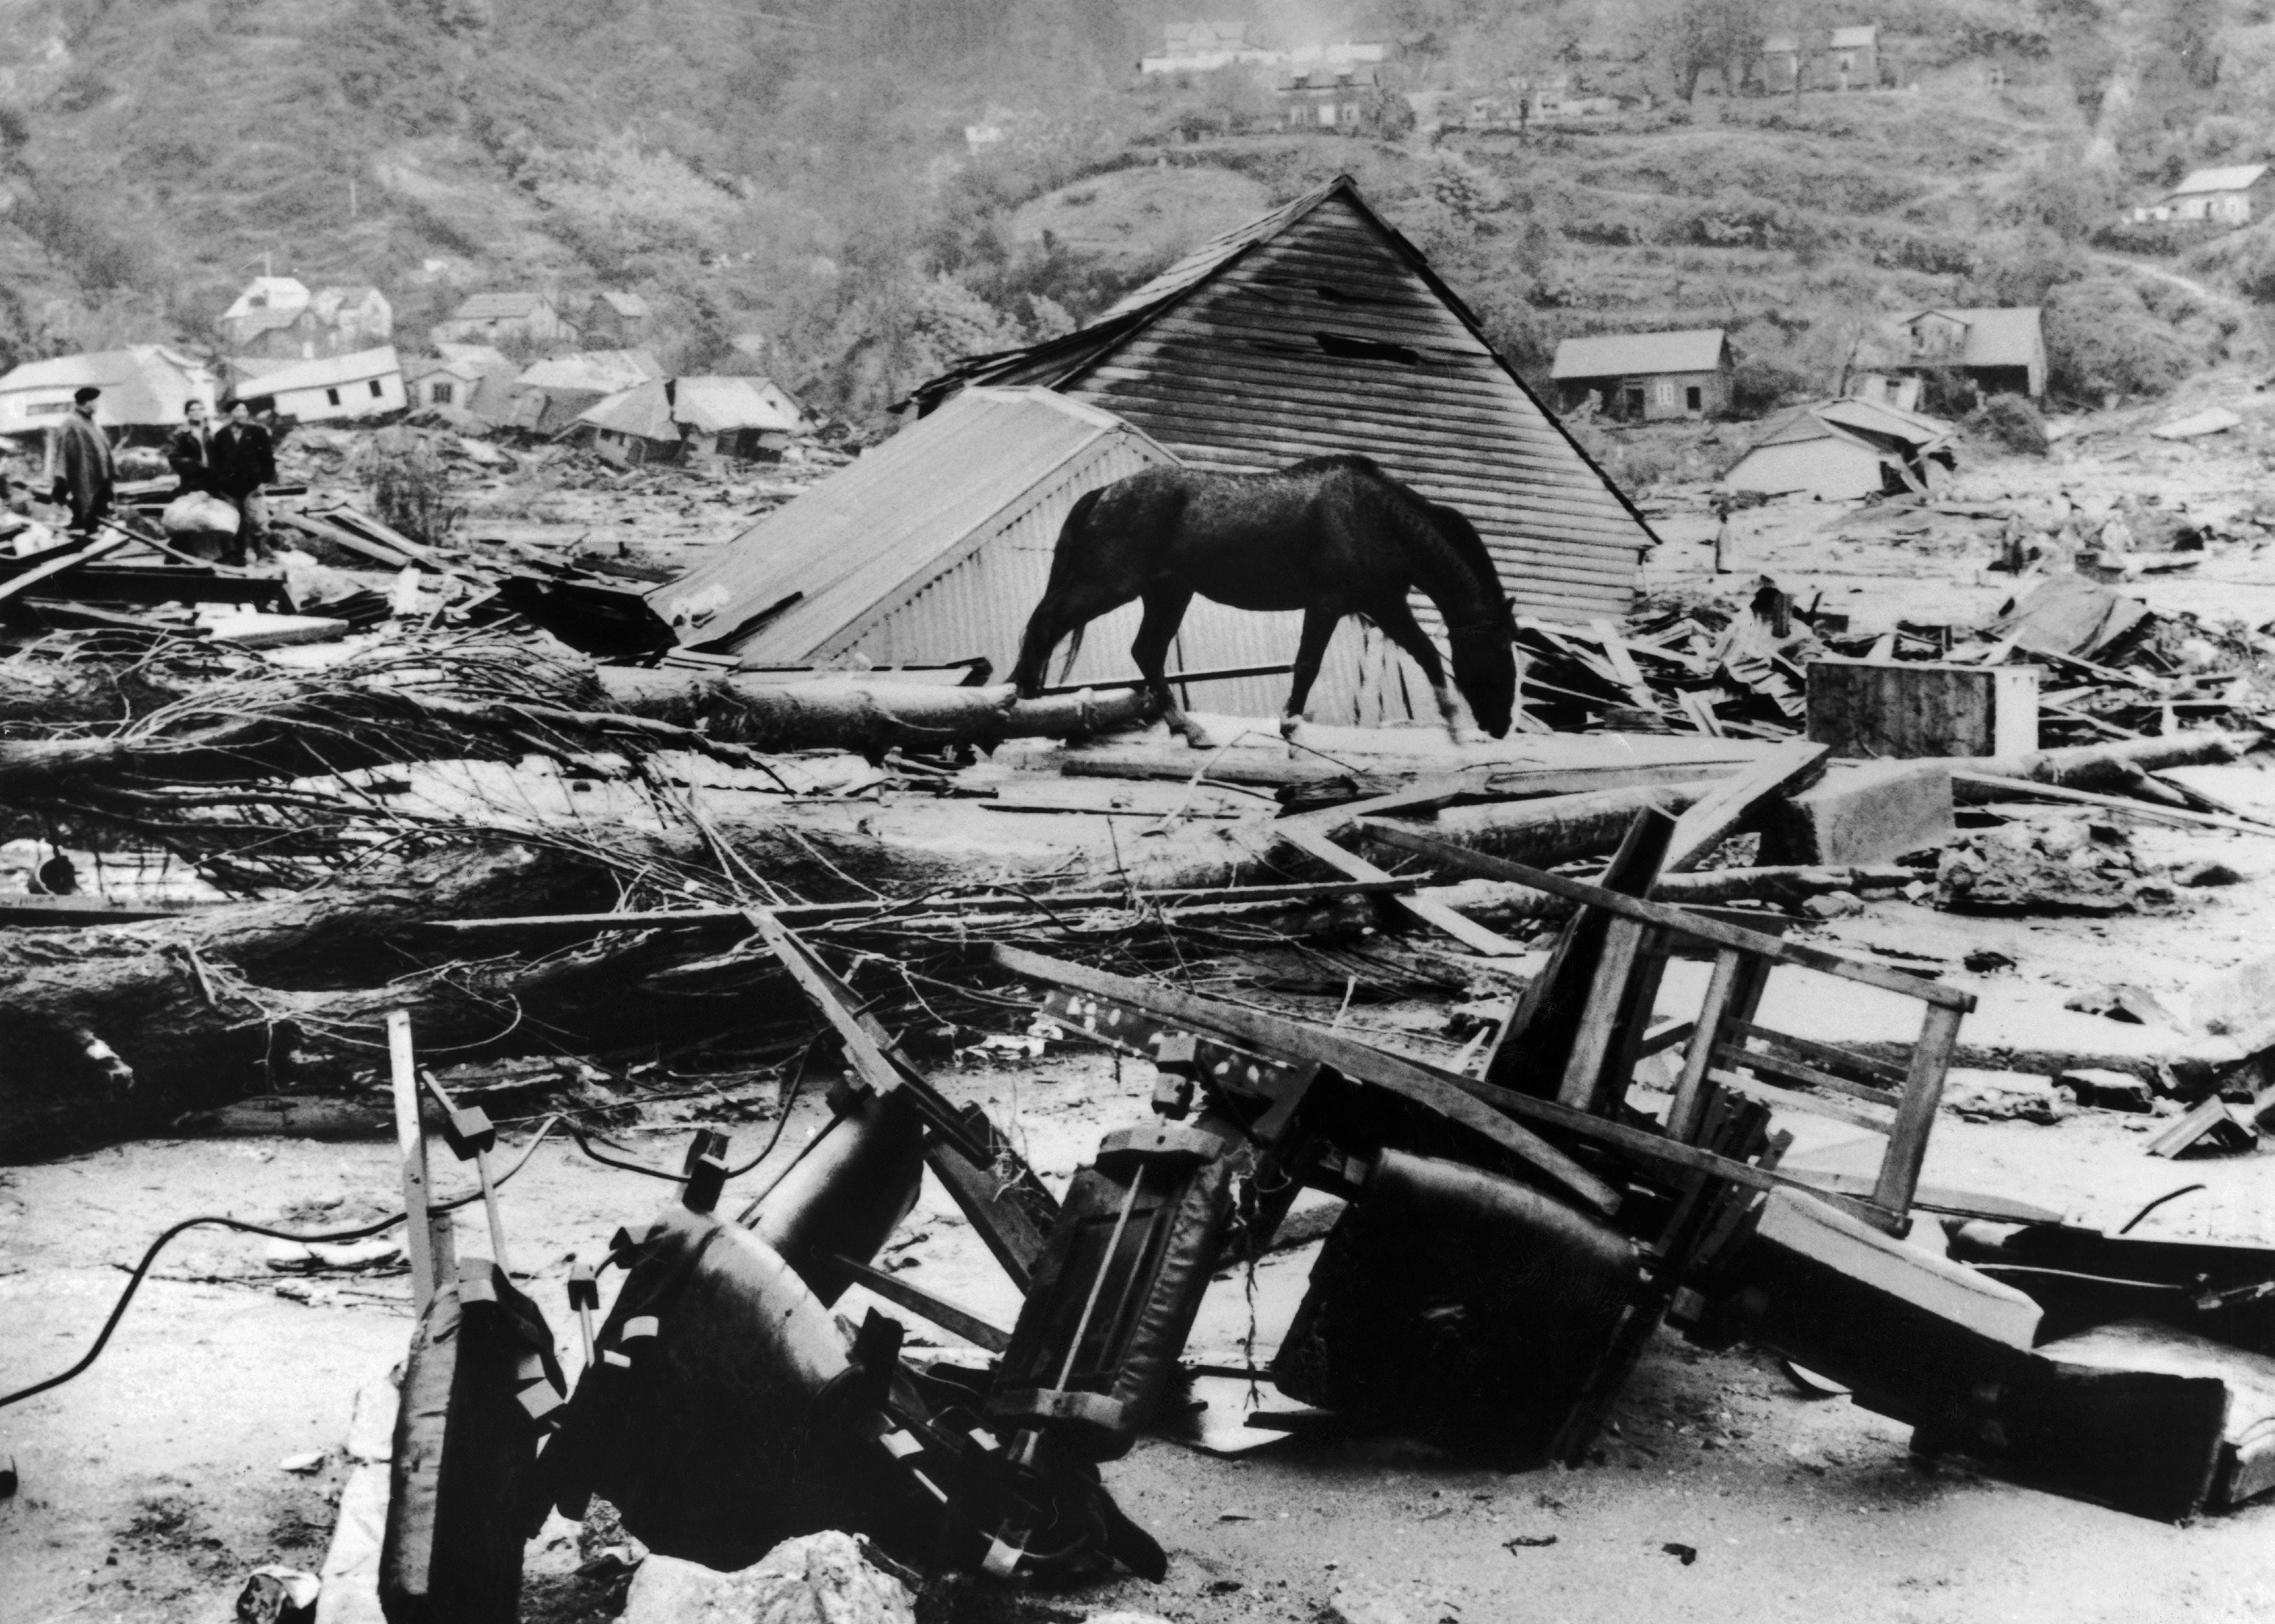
(1758, 386)
(409, 487)
(1946, 392)
(2013, 423)
(2103, 338)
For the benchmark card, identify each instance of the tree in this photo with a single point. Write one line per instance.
(1718, 35)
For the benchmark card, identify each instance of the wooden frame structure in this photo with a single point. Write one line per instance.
(1725, 1050)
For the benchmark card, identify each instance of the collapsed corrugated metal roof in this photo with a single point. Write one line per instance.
(1620, 355)
(657, 409)
(1319, 329)
(329, 371)
(601, 371)
(857, 544)
(142, 385)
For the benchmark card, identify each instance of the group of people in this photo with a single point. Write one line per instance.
(232, 461)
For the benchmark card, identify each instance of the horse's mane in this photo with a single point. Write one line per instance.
(1418, 513)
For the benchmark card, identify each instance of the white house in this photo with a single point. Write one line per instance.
(144, 387)
(330, 387)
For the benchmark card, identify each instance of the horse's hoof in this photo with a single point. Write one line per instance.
(1197, 740)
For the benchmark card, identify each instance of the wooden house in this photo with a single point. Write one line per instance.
(1645, 377)
(549, 397)
(2002, 351)
(669, 420)
(1319, 329)
(1841, 450)
(2234, 196)
(474, 379)
(614, 321)
(144, 389)
(277, 317)
(328, 388)
(1327, 98)
(1834, 59)
(489, 318)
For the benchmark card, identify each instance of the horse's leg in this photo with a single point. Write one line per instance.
(1397, 621)
(1164, 612)
(1311, 652)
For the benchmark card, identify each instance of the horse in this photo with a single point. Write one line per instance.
(1329, 535)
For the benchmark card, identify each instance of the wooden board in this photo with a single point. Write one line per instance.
(1922, 707)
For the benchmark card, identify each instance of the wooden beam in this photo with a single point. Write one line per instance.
(411, 1152)
(1451, 1098)
(1717, 816)
(14, 585)
(1681, 921)
(1466, 931)
(2030, 789)
(942, 1312)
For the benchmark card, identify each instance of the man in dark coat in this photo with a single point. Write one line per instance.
(186, 450)
(242, 458)
(84, 471)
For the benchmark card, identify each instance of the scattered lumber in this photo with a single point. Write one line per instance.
(847, 713)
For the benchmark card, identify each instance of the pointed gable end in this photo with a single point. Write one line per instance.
(1317, 330)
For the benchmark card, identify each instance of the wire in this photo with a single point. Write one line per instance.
(586, 1145)
(2185, 1189)
(151, 1256)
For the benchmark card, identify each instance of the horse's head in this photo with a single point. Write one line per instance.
(1485, 669)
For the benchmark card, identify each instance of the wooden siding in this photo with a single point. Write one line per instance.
(1234, 376)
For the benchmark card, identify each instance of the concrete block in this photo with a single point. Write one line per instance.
(1921, 707)
(2108, 1090)
(1863, 812)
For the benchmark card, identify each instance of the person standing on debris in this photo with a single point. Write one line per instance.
(188, 452)
(242, 458)
(84, 470)
(1721, 534)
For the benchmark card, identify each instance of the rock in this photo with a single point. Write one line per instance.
(1982, 960)
(2239, 1004)
(1996, 1095)
(2123, 1002)
(1833, 905)
(815, 1579)
(2108, 1090)
(2068, 865)
(1362, 1605)
(2206, 873)
(275, 1595)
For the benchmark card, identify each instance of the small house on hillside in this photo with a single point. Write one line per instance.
(1334, 98)
(667, 420)
(1881, 388)
(144, 388)
(1225, 359)
(492, 318)
(614, 321)
(1842, 449)
(2002, 351)
(1645, 377)
(474, 379)
(329, 388)
(548, 397)
(2233, 196)
(1835, 59)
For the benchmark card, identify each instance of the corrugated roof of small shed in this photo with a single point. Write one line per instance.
(1320, 330)
(2233, 177)
(1620, 355)
(1997, 335)
(862, 539)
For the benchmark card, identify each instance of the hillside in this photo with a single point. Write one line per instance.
(801, 171)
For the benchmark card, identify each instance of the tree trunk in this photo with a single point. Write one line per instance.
(833, 714)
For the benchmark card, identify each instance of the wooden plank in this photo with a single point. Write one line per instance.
(1435, 914)
(1829, 1052)
(1692, 1094)
(1682, 921)
(1807, 1077)
(1899, 1168)
(940, 1311)
(1607, 994)
(1922, 707)
(2025, 788)
(1623, 665)
(1455, 1099)
(1938, 1197)
(861, 1046)
(1718, 815)
(16, 585)
(411, 1154)
(1815, 1105)
(1423, 795)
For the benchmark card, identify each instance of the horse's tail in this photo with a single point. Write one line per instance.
(1078, 519)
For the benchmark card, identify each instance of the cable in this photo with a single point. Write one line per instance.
(2185, 1189)
(586, 1145)
(151, 1256)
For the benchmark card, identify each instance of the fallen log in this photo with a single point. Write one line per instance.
(1541, 833)
(2116, 767)
(846, 713)
(1497, 902)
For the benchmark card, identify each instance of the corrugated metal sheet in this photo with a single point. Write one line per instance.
(1318, 329)
(937, 545)
(1620, 355)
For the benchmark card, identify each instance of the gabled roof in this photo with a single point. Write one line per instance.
(329, 371)
(486, 356)
(630, 306)
(1852, 38)
(2235, 178)
(868, 537)
(498, 307)
(598, 372)
(143, 384)
(1881, 428)
(1619, 355)
(657, 411)
(268, 293)
(1995, 335)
